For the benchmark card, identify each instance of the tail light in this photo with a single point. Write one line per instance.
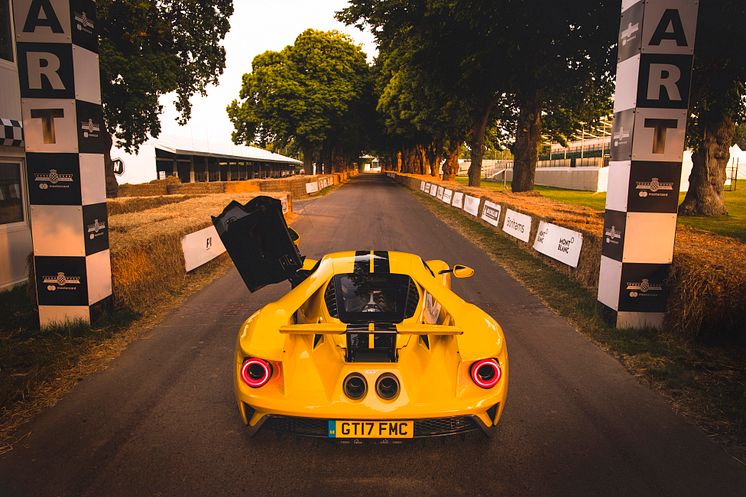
(355, 386)
(486, 373)
(387, 386)
(256, 372)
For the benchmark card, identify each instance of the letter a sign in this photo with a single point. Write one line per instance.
(58, 70)
(654, 70)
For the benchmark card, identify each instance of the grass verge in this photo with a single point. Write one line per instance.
(733, 225)
(704, 383)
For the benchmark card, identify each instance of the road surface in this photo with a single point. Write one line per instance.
(161, 420)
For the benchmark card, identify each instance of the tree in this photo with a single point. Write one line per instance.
(718, 104)
(313, 92)
(149, 49)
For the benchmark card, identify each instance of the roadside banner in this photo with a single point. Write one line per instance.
(447, 195)
(491, 212)
(312, 187)
(201, 247)
(422, 186)
(471, 205)
(433, 189)
(458, 200)
(559, 243)
(439, 195)
(517, 225)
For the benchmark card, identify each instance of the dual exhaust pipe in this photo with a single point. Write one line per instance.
(355, 386)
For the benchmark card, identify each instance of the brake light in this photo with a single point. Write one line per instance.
(256, 372)
(486, 373)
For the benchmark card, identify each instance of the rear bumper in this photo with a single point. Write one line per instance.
(318, 427)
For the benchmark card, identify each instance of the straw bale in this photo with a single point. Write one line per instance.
(122, 205)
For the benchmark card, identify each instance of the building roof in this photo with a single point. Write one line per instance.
(227, 151)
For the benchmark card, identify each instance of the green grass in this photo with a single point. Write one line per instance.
(733, 225)
(708, 384)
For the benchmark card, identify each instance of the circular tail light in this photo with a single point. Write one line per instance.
(256, 372)
(355, 386)
(486, 373)
(387, 386)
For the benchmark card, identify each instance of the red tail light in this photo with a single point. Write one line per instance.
(486, 373)
(256, 372)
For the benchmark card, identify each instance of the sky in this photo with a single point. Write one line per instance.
(256, 26)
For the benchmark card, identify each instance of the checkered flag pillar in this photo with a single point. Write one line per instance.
(58, 66)
(656, 47)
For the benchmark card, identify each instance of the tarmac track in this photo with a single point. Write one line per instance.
(161, 420)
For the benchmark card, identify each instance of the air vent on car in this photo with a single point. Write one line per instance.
(330, 297)
(413, 298)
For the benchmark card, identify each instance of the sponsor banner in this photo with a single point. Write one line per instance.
(426, 187)
(285, 204)
(439, 193)
(447, 196)
(517, 225)
(458, 200)
(201, 247)
(653, 187)
(471, 205)
(61, 280)
(91, 130)
(54, 179)
(434, 190)
(422, 186)
(643, 287)
(312, 187)
(630, 32)
(612, 243)
(95, 228)
(84, 24)
(491, 212)
(559, 243)
(621, 135)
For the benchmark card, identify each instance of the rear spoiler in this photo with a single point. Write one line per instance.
(341, 328)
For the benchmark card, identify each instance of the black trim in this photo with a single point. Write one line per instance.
(362, 262)
(381, 262)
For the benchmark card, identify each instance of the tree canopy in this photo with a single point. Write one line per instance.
(316, 93)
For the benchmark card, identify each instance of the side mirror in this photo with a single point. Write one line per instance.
(461, 271)
(294, 236)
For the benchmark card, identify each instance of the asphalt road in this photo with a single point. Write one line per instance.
(161, 420)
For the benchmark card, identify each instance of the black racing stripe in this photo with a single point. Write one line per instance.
(362, 262)
(381, 262)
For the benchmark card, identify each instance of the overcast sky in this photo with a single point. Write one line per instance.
(256, 26)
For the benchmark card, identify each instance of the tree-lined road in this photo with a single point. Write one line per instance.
(161, 420)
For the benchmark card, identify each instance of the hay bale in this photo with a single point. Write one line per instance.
(153, 188)
(146, 254)
(123, 205)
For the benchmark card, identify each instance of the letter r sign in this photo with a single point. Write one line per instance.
(664, 81)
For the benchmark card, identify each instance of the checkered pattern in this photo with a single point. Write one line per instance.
(12, 133)
(650, 110)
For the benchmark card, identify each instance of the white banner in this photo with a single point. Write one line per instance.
(458, 200)
(471, 205)
(422, 186)
(285, 204)
(447, 195)
(491, 212)
(559, 243)
(433, 189)
(439, 195)
(201, 247)
(517, 225)
(312, 187)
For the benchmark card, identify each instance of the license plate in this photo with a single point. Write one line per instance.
(371, 429)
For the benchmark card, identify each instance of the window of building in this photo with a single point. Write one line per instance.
(11, 199)
(6, 43)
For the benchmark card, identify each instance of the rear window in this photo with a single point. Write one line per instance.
(365, 298)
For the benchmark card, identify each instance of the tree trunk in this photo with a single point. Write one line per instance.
(307, 160)
(112, 186)
(398, 161)
(527, 142)
(709, 160)
(450, 168)
(477, 145)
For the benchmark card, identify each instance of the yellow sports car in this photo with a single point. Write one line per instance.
(366, 344)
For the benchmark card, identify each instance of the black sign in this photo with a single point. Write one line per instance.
(621, 135)
(46, 70)
(630, 32)
(84, 24)
(664, 81)
(612, 243)
(90, 124)
(643, 287)
(95, 228)
(653, 186)
(61, 280)
(54, 179)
